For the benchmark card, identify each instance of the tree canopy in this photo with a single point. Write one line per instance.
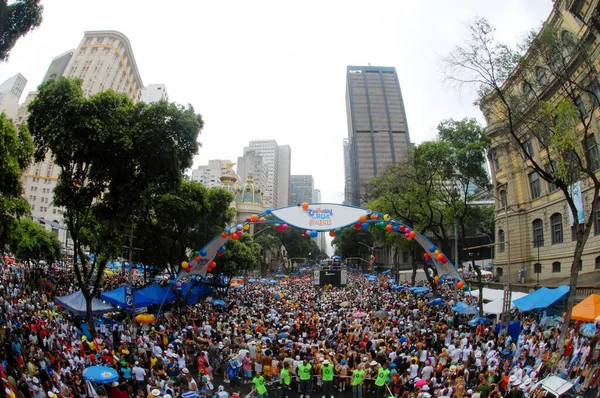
(31, 241)
(16, 150)
(113, 156)
(242, 254)
(16, 20)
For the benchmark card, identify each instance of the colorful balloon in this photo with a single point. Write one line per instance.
(268, 211)
(362, 218)
(197, 258)
(440, 257)
(413, 234)
(460, 284)
(246, 227)
(395, 228)
(314, 233)
(234, 237)
(389, 227)
(386, 217)
(203, 252)
(402, 228)
(427, 256)
(262, 220)
(332, 233)
(432, 249)
(374, 217)
(364, 226)
(239, 227)
(224, 235)
(184, 264)
(304, 206)
(436, 252)
(254, 217)
(358, 226)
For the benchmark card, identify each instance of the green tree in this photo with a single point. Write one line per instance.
(544, 91)
(30, 241)
(243, 254)
(16, 151)
(176, 222)
(16, 20)
(297, 245)
(113, 155)
(348, 243)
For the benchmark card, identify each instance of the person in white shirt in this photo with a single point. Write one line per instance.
(427, 371)
(139, 374)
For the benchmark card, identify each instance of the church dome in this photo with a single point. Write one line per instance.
(229, 181)
(249, 193)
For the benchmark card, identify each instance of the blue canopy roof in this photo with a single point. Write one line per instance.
(541, 298)
(117, 297)
(197, 291)
(75, 303)
(158, 294)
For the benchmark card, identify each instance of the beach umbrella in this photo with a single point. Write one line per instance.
(251, 280)
(479, 320)
(588, 329)
(145, 318)
(345, 304)
(277, 295)
(429, 295)
(382, 314)
(100, 374)
(464, 308)
(398, 287)
(108, 272)
(220, 303)
(437, 301)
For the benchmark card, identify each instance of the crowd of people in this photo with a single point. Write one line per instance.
(286, 339)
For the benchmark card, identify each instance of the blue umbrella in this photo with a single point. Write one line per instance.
(100, 374)
(587, 330)
(336, 257)
(437, 301)
(398, 287)
(219, 302)
(283, 335)
(464, 308)
(421, 290)
(272, 281)
(251, 280)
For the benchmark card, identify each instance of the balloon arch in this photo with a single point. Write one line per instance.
(314, 218)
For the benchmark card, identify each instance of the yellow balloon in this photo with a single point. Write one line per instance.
(436, 252)
(246, 227)
(386, 217)
(184, 264)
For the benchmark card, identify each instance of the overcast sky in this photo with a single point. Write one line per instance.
(276, 69)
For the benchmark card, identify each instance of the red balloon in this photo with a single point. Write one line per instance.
(402, 228)
(444, 260)
(234, 236)
(427, 256)
(188, 269)
(213, 264)
(224, 235)
(358, 226)
(440, 257)
(332, 233)
(460, 284)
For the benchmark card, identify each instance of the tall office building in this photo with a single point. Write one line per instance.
(316, 196)
(347, 174)
(103, 60)
(276, 163)
(302, 187)
(377, 128)
(251, 163)
(210, 175)
(153, 93)
(283, 178)
(10, 94)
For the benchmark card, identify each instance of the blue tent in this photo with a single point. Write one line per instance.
(75, 303)
(158, 294)
(100, 374)
(541, 298)
(463, 308)
(197, 291)
(117, 297)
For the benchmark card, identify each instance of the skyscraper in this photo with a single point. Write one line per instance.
(276, 162)
(103, 60)
(153, 93)
(302, 187)
(10, 93)
(377, 128)
(210, 175)
(316, 196)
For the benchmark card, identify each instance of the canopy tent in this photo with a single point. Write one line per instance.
(198, 290)
(75, 303)
(541, 298)
(588, 310)
(117, 297)
(158, 294)
(495, 300)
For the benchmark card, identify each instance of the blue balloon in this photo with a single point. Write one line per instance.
(395, 228)
(203, 252)
(432, 249)
(314, 233)
(222, 249)
(268, 211)
(364, 226)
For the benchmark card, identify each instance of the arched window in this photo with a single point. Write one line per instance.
(556, 266)
(541, 76)
(557, 228)
(501, 241)
(537, 227)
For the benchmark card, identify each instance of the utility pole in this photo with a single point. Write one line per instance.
(507, 289)
(456, 259)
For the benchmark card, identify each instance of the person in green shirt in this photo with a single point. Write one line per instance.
(327, 375)
(304, 373)
(358, 376)
(259, 386)
(285, 380)
(382, 375)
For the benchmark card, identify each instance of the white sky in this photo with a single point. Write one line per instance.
(276, 69)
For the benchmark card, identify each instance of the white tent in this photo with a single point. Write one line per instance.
(494, 300)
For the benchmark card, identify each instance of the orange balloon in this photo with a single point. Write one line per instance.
(413, 234)
(440, 257)
(254, 218)
(389, 227)
(460, 284)
(374, 217)
(262, 220)
(362, 218)
(305, 206)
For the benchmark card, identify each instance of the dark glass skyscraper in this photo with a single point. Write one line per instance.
(377, 128)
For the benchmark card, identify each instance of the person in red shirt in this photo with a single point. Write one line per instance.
(116, 391)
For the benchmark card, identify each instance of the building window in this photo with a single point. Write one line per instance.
(537, 268)
(573, 232)
(537, 227)
(32, 207)
(542, 76)
(528, 146)
(581, 106)
(528, 92)
(597, 266)
(551, 187)
(501, 241)
(534, 185)
(499, 271)
(597, 218)
(594, 93)
(556, 266)
(496, 161)
(591, 151)
(503, 198)
(557, 228)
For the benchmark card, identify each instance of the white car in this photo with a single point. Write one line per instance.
(553, 387)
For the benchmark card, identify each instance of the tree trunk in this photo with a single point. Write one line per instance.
(571, 296)
(90, 315)
(413, 278)
(431, 280)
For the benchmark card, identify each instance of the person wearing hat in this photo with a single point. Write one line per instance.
(358, 377)
(382, 375)
(139, 375)
(154, 393)
(259, 386)
(285, 380)
(327, 373)
(116, 391)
